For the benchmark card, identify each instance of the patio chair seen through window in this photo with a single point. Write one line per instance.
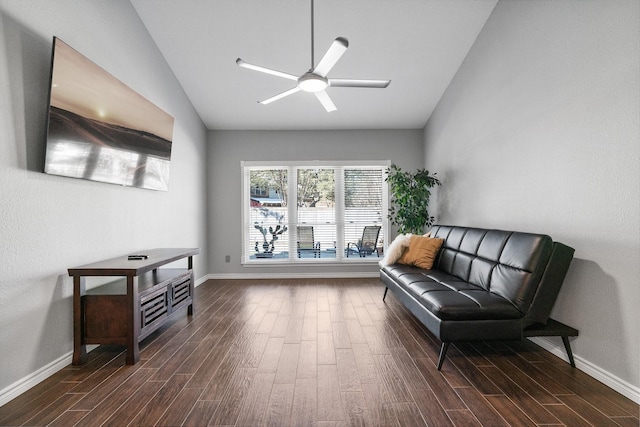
(368, 244)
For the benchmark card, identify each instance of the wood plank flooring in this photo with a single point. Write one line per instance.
(322, 352)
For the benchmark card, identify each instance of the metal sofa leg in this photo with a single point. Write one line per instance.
(553, 328)
(385, 293)
(567, 347)
(443, 352)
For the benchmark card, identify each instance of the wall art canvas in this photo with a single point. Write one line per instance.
(99, 129)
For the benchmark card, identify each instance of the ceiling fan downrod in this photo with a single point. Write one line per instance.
(312, 41)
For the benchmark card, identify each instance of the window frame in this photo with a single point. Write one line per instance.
(292, 210)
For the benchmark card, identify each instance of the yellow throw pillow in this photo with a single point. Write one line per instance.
(421, 252)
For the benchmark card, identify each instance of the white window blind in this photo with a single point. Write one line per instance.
(301, 212)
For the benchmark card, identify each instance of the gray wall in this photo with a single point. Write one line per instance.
(228, 148)
(539, 131)
(49, 223)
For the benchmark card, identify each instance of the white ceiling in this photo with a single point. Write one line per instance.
(417, 44)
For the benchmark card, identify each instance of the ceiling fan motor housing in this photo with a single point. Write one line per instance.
(310, 82)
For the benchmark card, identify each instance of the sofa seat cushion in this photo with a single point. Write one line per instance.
(450, 298)
(468, 305)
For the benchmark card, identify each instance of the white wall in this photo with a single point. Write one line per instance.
(49, 223)
(228, 148)
(539, 131)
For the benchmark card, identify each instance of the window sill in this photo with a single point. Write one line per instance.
(311, 262)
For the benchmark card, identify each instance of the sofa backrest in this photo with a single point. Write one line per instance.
(510, 264)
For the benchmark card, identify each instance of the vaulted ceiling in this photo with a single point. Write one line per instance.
(417, 44)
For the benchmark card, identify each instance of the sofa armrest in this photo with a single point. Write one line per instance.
(550, 284)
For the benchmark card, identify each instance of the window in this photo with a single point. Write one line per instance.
(314, 212)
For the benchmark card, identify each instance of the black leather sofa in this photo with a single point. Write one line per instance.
(485, 285)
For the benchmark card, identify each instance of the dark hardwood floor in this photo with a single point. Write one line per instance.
(325, 352)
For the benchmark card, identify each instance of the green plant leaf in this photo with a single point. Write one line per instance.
(410, 193)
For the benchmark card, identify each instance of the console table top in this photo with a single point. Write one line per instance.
(122, 266)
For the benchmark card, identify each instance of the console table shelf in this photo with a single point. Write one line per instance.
(138, 302)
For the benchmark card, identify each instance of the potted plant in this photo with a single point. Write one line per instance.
(410, 193)
(268, 245)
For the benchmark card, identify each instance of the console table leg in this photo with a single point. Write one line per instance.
(191, 286)
(133, 317)
(190, 310)
(79, 348)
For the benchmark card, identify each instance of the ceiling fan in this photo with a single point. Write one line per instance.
(315, 80)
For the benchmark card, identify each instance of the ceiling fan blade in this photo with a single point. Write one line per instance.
(280, 96)
(243, 64)
(359, 83)
(326, 102)
(337, 48)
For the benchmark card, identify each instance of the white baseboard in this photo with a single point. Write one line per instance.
(297, 275)
(17, 388)
(607, 378)
(201, 280)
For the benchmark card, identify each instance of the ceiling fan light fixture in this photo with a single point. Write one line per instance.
(311, 82)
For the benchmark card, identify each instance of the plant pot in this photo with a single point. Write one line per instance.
(264, 255)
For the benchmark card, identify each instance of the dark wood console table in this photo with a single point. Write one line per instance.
(127, 310)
